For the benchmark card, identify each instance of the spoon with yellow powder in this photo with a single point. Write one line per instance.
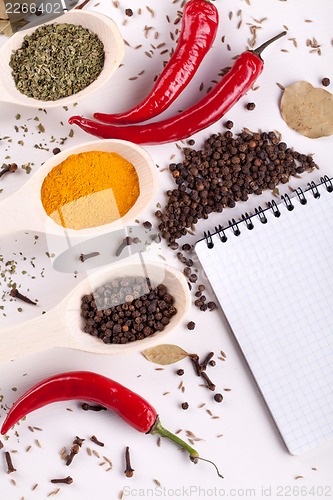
(87, 190)
(62, 326)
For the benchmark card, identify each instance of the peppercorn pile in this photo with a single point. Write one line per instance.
(225, 171)
(127, 309)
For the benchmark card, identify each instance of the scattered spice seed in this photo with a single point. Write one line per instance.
(17, 295)
(35, 486)
(129, 12)
(218, 397)
(56, 151)
(185, 405)
(64, 480)
(157, 482)
(180, 372)
(212, 363)
(250, 106)
(326, 82)
(10, 467)
(96, 454)
(54, 492)
(84, 257)
(37, 442)
(107, 460)
(9, 168)
(226, 389)
(128, 470)
(96, 441)
(1, 445)
(190, 325)
(299, 477)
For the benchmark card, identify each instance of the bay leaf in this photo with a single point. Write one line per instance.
(307, 109)
(165, 354)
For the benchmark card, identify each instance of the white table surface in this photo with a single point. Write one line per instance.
(250, 453)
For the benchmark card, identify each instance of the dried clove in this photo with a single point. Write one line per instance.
(83, 4)
(86, 256)
(125, 243)
(17, 295)
(96, 441)
(205, 362)
(10, 466)
(65, 480)
(77, 443)
(9, 168)
(87, 406)
(209, 383)
(128, 470)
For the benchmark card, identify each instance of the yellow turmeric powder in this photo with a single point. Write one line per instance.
(90, 189)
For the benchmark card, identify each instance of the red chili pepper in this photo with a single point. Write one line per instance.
(199, 26)
(211, 108)
(89, 386)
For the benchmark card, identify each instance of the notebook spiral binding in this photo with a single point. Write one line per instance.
(272, 206)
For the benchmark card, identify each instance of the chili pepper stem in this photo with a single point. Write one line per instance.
(159, 429)
(262, 47)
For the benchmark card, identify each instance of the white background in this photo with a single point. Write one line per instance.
(250, 454)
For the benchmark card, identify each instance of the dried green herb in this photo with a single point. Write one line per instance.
(56, 61)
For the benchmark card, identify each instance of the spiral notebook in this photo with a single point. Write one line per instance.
(272, 273)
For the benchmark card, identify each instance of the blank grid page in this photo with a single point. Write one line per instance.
(275, 285)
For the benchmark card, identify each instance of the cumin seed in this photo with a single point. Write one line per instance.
(54, 492)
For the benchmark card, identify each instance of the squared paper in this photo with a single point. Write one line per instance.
(275, 286)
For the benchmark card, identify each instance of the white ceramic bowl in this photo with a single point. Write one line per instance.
(102, 25)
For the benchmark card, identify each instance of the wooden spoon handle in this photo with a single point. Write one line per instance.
(35, 335)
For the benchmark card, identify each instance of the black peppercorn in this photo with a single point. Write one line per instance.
(180, 372)
(250, 106)
(117, 315)
(326, 82)
(229, 124)
(227, 169)
(129, 12)
(218, 398)
(191, 325)
(185, 406)
(56, 151)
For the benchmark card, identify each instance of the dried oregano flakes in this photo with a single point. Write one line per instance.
(56, 61)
